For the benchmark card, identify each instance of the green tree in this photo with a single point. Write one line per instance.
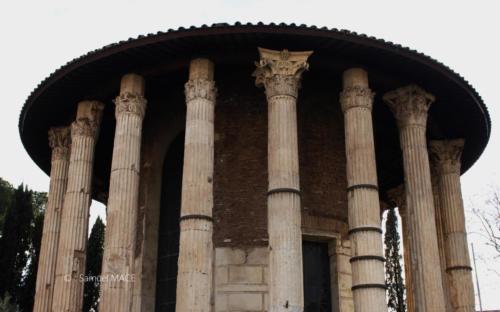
(393, 271)
(15, 242)
(93, 267)
(28, 284)
(20, 244)
(6, 195)
(6, 304)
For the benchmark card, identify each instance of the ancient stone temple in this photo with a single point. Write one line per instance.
(246, 168)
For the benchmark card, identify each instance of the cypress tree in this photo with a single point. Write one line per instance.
(15, 242)
(20, 243)
(93, 266)
(6, 195)
(28, 284)
(393, 271)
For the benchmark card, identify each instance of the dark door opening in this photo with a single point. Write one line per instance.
(168, 235)
(317, 288)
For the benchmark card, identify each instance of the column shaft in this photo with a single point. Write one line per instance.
(440, 236)
(363, 201)
(68, 291)
(123, 200)
(398, 196)
(410, 106)
(279, 72)
(284, 216)
(410, 301)
(447, 155)
(194, 279)
(60, 141)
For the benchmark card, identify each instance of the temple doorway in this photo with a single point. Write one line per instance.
(317, 287)
(168, 238)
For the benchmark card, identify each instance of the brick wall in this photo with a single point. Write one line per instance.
(240, 182)
(240, 172)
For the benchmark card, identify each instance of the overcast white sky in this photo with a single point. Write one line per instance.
(39, 36)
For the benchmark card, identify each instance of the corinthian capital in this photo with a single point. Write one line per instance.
(88, 119)
(200, 89)
(356, 96)
(409, 105)
(60, 142)
(356, 91)
(130, 103)
(397, 196)
(447, 155)
(280, 71)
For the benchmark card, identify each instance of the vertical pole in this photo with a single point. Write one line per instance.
(477, 279)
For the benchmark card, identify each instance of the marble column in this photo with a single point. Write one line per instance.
(280, 73)
(123, 201)
(447, 156)
(68, 290)
(194, 279)
(440, 232)
(60, 143)
(410, 106)
(367, 261)
(398, 196)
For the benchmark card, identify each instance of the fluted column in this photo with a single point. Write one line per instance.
(398, 196)
(123, 201)
(409, 106)
(60, 142)
(367, 261)
(68, 291)
(440, 232)
(447, 156)
(280, 73)
(194, 279)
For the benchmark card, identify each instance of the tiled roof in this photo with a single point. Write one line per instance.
(53, 101)
(347, 33)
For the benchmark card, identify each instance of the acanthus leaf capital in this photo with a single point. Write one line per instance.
(447, 155)
(280, 71)
(60, 141)
(130, 103)
(409, 105)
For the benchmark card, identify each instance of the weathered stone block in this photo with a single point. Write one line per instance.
(343, 265)
(345, 284)
(220, 302)
(258, 256)
(346, 305)
(245, 302)
(225, 256)
(265, 275)
(239, 288)
(221, 275)
(245, 274)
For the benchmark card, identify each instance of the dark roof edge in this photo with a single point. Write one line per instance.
(142, 39)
